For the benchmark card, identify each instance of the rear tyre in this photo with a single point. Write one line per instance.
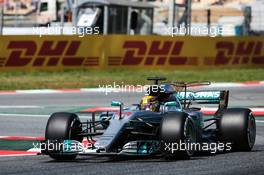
(177, 133)
(63, 126)
(238, 126)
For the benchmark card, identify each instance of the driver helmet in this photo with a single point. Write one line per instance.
(149, 103)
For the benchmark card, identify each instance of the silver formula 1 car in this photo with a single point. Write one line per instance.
(165, 123)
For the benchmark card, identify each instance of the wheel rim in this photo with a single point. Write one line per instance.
(74, 129)
(251, 131)
(190, 137)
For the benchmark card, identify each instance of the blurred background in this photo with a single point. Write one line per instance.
(241, 59)
(134, 17)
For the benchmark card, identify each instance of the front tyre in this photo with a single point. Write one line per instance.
(63, 126)
(177, 133)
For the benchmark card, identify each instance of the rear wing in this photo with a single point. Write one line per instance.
(204, 97)
(201, 97)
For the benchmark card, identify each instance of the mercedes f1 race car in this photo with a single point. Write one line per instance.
(164, 123)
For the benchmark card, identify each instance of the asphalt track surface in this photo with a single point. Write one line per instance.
(41, 105)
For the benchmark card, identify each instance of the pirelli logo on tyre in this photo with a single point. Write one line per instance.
(135, 52)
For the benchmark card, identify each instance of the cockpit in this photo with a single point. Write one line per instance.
(160, 98)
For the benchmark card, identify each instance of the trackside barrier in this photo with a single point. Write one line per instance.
(135, 52)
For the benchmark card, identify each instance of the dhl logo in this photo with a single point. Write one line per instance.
(50, 54)
(250, 52)
(160, 53)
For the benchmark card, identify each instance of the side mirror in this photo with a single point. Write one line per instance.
(134, 20)
(116, 103)
(170, 106)
(170, 103)
(120, 104)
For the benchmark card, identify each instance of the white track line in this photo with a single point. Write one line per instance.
(17, 155)
(37, 115)
(19, 106)
(23, 115)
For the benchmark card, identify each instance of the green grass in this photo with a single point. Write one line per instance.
(92, 78)
(17, 144)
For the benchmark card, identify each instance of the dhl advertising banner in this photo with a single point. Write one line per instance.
(50, 52)
(135, 52)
